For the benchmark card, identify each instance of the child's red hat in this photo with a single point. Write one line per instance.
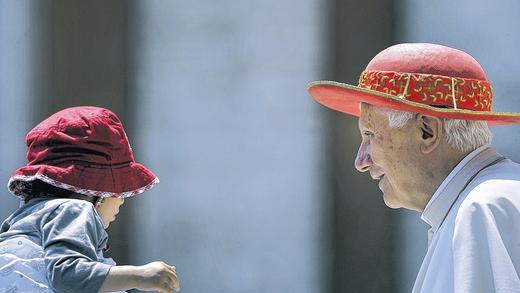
(84, 150)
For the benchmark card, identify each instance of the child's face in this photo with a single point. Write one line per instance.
(108, 209)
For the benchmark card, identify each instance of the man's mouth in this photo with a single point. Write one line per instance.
(378, 177)
(380, 183)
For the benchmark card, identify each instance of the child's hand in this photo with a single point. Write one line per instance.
(158, 276)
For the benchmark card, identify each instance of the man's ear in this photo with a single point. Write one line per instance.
(431, 133)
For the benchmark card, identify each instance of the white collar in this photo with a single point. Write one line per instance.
(447, 193)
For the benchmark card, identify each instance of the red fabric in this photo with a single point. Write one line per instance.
(429, 74)
(433, 90)
(84, 148)
(427, 59)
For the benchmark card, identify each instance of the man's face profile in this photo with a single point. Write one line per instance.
(389, 155)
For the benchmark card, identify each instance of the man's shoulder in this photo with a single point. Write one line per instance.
(495, 190)
(506, 168)
(502, 178)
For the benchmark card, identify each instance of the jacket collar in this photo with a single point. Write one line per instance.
(448, 192)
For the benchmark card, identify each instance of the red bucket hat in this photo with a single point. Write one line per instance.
(84, 150)
(418, 77)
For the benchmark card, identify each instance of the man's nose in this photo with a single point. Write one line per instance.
(363, 160)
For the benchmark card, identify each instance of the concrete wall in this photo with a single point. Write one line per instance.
(22, 84)
(223, 118)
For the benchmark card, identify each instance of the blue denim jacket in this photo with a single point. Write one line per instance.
(72, 236)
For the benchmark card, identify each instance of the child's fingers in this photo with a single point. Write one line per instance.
(170, 281)
(175, 281)
(167, 287)
(177, 285)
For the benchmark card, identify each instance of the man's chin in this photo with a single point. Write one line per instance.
(391, 203)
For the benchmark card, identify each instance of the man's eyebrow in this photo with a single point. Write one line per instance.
(364, 124)
(364, 127)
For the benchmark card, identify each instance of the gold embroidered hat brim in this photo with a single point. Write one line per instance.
(346, 98)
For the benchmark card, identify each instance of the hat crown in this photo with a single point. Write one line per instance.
(91, 135)
(427, 58)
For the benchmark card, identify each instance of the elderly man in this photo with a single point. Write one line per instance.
(424, 111)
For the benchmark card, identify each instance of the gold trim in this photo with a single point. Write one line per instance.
(453, 94)
(403, 96)
(426, 88)
(415, 104)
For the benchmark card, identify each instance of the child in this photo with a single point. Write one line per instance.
(80, 169)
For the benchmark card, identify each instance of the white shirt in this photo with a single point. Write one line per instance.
(474, 240)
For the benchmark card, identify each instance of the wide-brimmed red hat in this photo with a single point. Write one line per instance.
(84, 150)
(418, 77)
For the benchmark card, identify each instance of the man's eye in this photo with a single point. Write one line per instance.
(368, 133)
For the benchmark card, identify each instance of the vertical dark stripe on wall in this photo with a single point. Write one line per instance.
(363, 258)
(88, 54)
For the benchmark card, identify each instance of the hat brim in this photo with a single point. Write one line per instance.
(121, 182)
(346, 98)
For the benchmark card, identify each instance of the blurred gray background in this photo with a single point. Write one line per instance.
(258, 191)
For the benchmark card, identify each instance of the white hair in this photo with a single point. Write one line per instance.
(462, 135)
